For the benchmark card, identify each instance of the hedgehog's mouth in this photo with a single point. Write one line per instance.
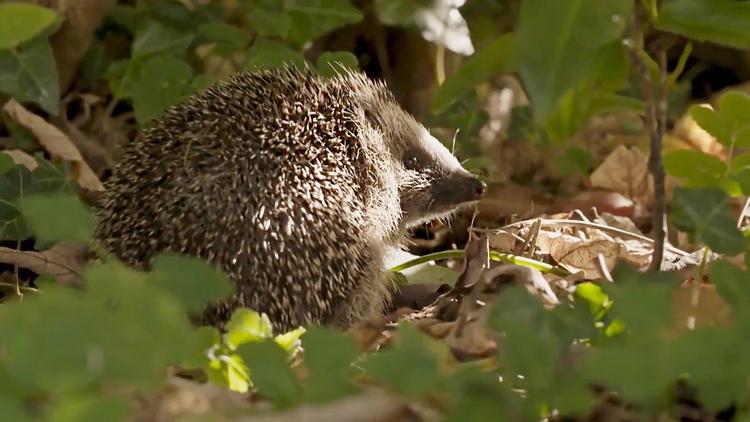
(439, 213)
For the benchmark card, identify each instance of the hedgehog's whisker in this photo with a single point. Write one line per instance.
(453, 146)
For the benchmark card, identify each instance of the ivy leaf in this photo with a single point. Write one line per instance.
(20, 22)
(575, 160)
(695, 167)
(733, 285)
(268, 17)
(410, 367)
(159, 38)
(550, 65)
(246, 326)
(724, 22)
(398, 12)
(58, 217)
(500, 56)
(228, 38)
(270, 372)
(722, 382)
(229, 371)
(643, 302)
(621, 367)
(312, 18)
(730, 124)
(90, 408)
(328, 356)
(95, 333)
(12, 185)
(161, 82)
(271, 54)
(194, 282)
(29, 73)
(704, 214)
(13, 410)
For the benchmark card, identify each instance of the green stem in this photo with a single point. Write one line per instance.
(495, 256)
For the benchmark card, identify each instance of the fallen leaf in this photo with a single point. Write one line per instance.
(574, 255)
(22, 158)
(56, 143)
(63, 261)
(625, 171)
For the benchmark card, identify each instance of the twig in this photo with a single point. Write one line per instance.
(656, 107)
(589, 224)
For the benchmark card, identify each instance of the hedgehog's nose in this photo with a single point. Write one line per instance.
(458, 188)
(479, 188)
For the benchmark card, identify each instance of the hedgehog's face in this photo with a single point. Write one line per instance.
(431, 182)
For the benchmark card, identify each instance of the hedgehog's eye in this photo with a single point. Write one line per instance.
(410, 161)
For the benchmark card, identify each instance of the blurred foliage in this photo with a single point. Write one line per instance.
(79, 353)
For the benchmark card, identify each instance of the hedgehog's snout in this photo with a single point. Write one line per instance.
(458, 188)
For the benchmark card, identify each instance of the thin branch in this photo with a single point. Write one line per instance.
(656, 115)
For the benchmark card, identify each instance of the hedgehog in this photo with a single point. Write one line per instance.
(291, 183)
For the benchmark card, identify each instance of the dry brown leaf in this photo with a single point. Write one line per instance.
(63, 261)
(625, 170)
(56, 143)
(583, 256)
(688, 130)
(22, 158)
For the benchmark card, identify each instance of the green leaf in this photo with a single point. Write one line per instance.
(742, 178)
(608, 103)
(695, 167)
(51, 177)
(622, 367)
(398, 12)
(13, 410)
(228, 37)
(410, 367)
(92, 337)
(704, 214)
(270, 372)
(312, 18)
(6, 163)
(330, 63)
(722, 382)
(246, 326)
(734, 107)
(12, 185)
(328, 357)
(193, 281)
(733, 285)
(205, 339)
(642, 301)
(159, 38)
(594, 295)
(290, 341)
(575, 161)
(90, 409)
(29, 73)
(271, 54)
(730, 124)
(58, 217)
(229, 371)
(724, 22)
(711, 122)
(162, 81)
(267, 17)
(550, 65)
(20, 22)
(500, 56)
